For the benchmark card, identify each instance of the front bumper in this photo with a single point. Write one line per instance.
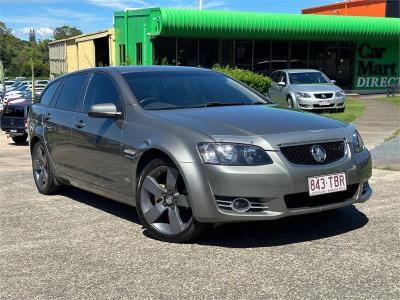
(269, 184)
(315, 103)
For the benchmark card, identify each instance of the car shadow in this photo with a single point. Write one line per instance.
(18, 145)
(285, 231)
(280, 232)
(109, 206)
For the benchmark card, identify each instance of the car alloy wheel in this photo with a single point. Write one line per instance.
(164, 204)
(40, 167)
(290, 103)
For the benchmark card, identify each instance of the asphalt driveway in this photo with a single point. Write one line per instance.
(79, 245)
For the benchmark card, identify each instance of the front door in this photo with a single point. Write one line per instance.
(98, 140)
(339, 65)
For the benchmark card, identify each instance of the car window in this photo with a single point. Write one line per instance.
(171, 90)
(48, 94)
(101, 89)
(284, 77)
(277, 76)
(71, 92)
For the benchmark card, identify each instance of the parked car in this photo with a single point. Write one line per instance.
(306, 89)
(13, 120)
(21, 78)
(41, 82)
(191, 147)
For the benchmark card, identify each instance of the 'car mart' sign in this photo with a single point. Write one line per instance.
(377, 65)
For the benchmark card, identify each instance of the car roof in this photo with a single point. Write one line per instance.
(300, 70)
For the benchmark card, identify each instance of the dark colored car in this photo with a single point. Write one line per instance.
(191, 147)
(13, 120)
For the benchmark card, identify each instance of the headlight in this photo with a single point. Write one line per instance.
(340, 94)
(357, 142)
(303, 95)
(233, 154)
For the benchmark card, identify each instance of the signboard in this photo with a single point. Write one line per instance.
(377, 65)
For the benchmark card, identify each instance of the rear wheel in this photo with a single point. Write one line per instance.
(163, 206)
(42, 172)
(20, 139)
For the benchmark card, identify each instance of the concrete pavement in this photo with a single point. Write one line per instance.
(79, 245)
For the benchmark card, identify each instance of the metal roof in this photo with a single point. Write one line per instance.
(250, 25)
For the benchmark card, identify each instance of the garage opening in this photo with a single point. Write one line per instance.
(102, 52)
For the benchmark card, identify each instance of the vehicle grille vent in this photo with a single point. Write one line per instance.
(304, 200)
(324, 95)
(301, 154)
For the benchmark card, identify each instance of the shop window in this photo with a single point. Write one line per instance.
(122, 54)
(299, 53)
(208, 52)
(165, 51)
(280, 55)
(139, 53)
(262, 56)
(243, 54)
(188, 52)
(316, 55)
(227, 53)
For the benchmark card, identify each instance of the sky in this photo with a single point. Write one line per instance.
(94, 15)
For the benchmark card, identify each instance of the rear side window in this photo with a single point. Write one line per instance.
(71, 92)
(101, 89)
(49, 93)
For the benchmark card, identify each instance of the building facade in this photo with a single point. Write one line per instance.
(80, 52)
(360, 53)
(370, 8)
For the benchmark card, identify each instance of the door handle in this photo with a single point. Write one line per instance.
(47, 117)
(80, 124)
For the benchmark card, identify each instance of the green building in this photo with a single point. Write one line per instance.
(360, 53)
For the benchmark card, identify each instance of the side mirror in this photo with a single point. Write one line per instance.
(281, 83)
(104, 110)
(333, 81)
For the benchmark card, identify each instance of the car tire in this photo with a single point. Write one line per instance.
(163, 205)
(290, 103)
(43, 174)
(20, 139)
(340, 110)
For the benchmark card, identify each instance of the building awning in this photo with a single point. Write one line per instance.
(246, 25)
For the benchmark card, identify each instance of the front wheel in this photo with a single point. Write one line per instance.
(21, 139)
(290, 102)
(163, 205)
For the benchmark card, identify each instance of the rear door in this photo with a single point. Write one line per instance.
(98, 140)
(58, 120)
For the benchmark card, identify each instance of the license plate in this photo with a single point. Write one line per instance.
(13, 131)
(324, 103)
(326, 184)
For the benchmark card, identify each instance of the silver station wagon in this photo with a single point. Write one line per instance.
(306, 89)
(191, 148)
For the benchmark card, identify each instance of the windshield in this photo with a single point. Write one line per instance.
(307, 78)
(173, 90)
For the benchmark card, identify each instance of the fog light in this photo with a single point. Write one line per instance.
(240, 205)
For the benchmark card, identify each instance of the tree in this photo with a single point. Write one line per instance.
(32, 36)
(64, 32)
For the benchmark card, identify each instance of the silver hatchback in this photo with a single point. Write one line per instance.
(306, 89)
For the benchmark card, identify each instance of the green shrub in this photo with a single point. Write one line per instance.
(256, 81)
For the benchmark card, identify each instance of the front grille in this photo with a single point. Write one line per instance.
(324, 106)
(323, 95)
(301, 154)
(257, 204)
(304, 200)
